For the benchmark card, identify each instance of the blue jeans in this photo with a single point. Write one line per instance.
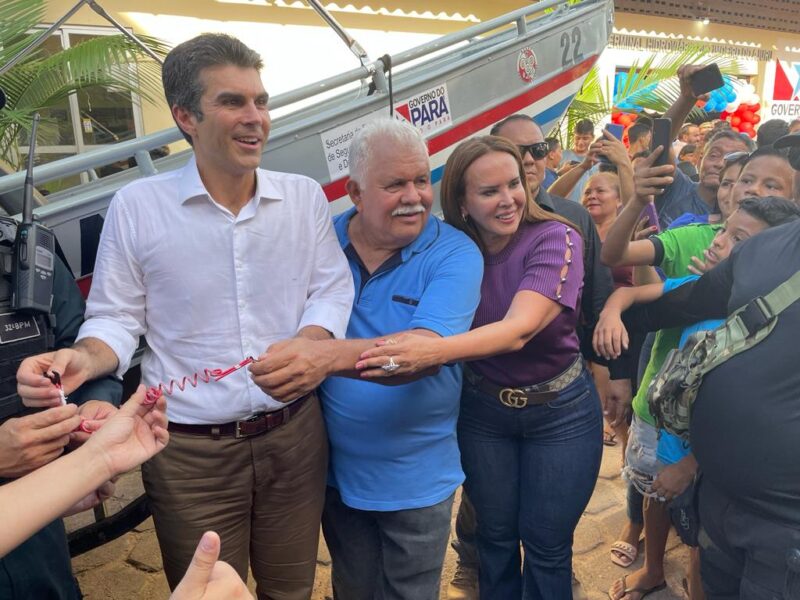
(530, 474)
(393, 555)
(464, 542)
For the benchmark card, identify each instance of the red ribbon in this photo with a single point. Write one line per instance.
(206, 376)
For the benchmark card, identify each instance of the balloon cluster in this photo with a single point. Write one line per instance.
(740, 108)
(743, 112)
(720, 99)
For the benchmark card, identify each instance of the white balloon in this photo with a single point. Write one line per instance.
(754, 99)
(749, 89)
(732, 106)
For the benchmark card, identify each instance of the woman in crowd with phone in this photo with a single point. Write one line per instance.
(602, 196)
(530, 428)
(602, 199)
(606, 153)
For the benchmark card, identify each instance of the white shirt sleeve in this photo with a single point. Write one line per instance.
(330, 292)
(115, 309)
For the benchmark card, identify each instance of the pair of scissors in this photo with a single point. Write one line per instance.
(55, 379)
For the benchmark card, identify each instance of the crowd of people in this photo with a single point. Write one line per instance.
(399, 356)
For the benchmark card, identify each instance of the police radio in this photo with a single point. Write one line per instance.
(34, 251)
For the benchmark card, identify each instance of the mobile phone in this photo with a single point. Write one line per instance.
(616, 130)
(603, 159)
(662, 136)
(706, 80)
(651, 214)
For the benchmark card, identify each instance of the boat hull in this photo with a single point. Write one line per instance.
(535, 69)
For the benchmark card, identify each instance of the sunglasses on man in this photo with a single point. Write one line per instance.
(538, 150)
(736, 157)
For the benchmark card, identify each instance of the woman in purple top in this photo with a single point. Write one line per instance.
(530, 428)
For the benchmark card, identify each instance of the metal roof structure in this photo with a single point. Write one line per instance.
(773, 15)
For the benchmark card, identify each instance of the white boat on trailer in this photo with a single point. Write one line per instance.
(532, 60)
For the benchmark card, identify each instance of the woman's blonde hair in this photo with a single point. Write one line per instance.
(453, 188)
(611, 175)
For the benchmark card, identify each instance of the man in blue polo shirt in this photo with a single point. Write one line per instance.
(395, 464)
(394, 459)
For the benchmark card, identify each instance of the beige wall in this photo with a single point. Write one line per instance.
(156, 116)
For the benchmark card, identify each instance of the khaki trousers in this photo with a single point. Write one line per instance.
(263, 495)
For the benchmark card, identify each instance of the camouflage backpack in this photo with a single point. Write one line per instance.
(673, 390)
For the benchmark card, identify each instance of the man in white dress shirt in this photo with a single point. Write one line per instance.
(213, 263)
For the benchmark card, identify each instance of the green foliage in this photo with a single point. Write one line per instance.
(44, 80)
(652, 85)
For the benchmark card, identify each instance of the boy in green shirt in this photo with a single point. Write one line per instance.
(672, 251)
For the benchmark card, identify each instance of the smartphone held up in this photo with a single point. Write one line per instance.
(662, 136)
(617, 131)
(706, 80)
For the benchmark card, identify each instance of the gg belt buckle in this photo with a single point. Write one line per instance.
(513, 398)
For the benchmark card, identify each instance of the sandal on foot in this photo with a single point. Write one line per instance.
(609, 438)
(643, 591)
(623, 553)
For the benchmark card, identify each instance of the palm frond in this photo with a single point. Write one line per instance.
(40, 80)
(105, 58)
(17, 18)
(650, 85)
(653, 85)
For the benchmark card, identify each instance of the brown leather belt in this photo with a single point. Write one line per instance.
(255, 425)
(520, 397)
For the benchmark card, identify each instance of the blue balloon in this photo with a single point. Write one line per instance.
(727, 91)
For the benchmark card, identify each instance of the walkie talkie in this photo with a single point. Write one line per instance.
(34, 251)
